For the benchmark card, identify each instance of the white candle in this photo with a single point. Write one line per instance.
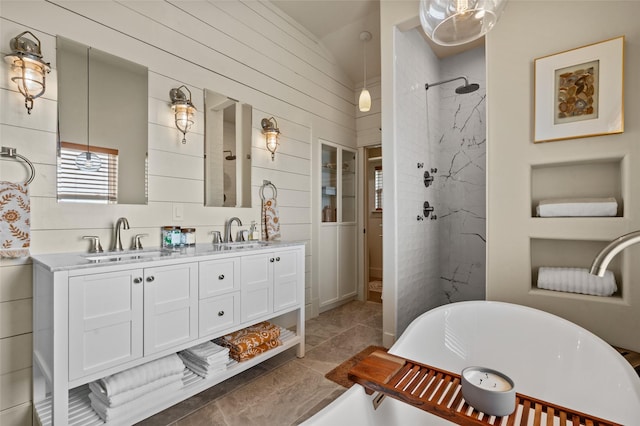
(487, 380)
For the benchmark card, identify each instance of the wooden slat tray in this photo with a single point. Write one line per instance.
(438, 392)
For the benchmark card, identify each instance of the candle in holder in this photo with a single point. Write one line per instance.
(488, 391)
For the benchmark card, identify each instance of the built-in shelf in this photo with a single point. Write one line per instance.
(569, 253)
(600, 178)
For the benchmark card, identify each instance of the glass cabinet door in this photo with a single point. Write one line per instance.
(329, 183)
(348, 186)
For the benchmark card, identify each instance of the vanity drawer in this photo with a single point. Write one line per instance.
(219, 313)
(219, 277)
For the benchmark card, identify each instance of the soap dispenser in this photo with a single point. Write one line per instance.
(253, 233)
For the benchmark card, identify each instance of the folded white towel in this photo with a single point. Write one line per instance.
(576, 280)
(576, 207)
(130, 395)
(112, 414)
(206, 351)
(140, 375)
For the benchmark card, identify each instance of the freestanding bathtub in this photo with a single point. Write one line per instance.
(547, 357)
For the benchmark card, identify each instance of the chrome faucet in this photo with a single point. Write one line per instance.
(117, 242)
(602, 259)
(227, 229)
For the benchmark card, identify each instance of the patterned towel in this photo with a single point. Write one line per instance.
(257, 350)
(15, 221)
(270, 220)
(250, 337)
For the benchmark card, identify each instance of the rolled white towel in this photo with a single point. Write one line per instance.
(576, 280)
(113, 414)
(140, 375)
(577, 207)
(127, 396)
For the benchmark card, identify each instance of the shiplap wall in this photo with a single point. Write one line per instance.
(248, 50)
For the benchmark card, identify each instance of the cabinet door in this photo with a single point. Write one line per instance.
(328, 273)
(288, 273)
(105, 321)
(170, 306)
(256, 286)
(347, 261)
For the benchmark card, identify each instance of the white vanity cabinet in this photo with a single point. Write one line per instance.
(92, 320)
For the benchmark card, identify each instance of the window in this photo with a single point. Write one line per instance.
(377, 186)
(76, 185)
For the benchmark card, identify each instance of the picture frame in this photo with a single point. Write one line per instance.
(579, 92)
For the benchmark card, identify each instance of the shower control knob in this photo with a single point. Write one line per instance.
(428, 179)
(434, 217)
(419, 218)
(427, 209)
(420, 165)
(434, 170)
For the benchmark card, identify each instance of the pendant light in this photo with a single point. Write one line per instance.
(364, 102)
(88, 161)
(455, 22)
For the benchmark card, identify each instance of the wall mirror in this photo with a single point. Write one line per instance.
(102, 126)
(227, 151)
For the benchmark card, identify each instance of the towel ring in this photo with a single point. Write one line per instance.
(268, 184)
(11, 153)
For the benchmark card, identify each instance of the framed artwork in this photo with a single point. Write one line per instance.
(579, 93)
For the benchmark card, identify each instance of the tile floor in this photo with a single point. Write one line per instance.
(284, 390)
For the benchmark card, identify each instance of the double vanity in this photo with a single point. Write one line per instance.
(99, 314)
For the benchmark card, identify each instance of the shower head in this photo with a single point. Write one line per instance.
(464, 89)
(230, 157)
(467, 88)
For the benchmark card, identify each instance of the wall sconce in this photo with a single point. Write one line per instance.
(270, 131)
(183, 109)
(27, 67)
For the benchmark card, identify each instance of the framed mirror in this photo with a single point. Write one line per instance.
(227, 151)
(103, 125)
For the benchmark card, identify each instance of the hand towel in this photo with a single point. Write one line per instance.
(15, 221)
(206, 351)
(250, 337)
(130, 395)
(577, 207)
(113, 414)
(270, 220)
(576, 280)
(140, 375)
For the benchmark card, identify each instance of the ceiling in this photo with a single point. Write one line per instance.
(338, 24)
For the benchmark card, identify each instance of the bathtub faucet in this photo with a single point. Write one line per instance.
(600, 263)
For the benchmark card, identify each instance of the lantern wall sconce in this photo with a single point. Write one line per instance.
(183, 109)
(271, 134)
(28, 70)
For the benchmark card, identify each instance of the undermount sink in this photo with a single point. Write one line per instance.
(120, 256)
(239, 245)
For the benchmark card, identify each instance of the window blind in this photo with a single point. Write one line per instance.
(76, 185)
(377, 186)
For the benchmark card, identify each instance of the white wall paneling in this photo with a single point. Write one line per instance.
(247, 50)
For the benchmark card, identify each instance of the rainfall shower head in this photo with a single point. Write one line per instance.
(464, 89)
(230, 157)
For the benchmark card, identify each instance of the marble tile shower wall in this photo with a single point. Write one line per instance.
(418, 287)
(443, 260)
(460, 143)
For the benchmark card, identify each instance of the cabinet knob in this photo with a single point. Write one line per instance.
(272, 260)
(137, 280)
(150, 279)
(221, 277)
(278, 259)
(220, 313)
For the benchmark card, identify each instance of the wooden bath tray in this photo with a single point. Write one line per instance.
(438, 392)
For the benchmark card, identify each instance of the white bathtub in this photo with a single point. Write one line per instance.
(547, 357)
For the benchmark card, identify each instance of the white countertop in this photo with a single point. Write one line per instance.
(82, 260)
